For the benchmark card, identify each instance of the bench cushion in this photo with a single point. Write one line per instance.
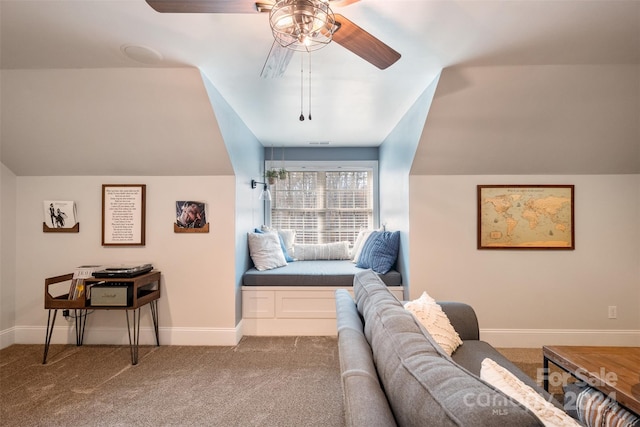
(314, 273)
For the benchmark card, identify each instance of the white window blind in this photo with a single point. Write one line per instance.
(323, 206)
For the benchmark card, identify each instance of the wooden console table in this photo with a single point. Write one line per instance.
(612, 370)
(145, 290)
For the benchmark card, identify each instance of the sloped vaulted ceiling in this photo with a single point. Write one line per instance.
(502, 60)
(110, 122)
(536, 119)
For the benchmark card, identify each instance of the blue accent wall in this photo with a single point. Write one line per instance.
(247, 157)
(396, 155)
(322, 154)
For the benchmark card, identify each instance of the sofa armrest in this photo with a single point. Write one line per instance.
(463, 318)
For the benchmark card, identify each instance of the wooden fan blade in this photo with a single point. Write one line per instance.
(363, 44)
(342, 3)
(277, 61)
(203, 6)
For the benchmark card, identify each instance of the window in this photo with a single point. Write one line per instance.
(324, 204)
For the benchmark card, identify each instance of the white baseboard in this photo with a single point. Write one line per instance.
(7, 337)
(531, 338)
(199, 336)
(118, 336)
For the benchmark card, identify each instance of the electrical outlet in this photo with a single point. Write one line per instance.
(613, 312)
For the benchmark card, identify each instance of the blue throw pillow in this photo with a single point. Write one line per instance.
(287, 257)
(380, 251)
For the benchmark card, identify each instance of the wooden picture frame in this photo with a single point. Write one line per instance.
(526, 217)
(123, 214)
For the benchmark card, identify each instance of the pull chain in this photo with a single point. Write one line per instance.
(309, 85)
(301, 86)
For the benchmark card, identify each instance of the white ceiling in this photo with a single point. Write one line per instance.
(353, 103)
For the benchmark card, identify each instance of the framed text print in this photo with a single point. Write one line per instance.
(526, 217)
(123, 214)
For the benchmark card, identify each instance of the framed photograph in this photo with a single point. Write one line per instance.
(526, 217)
(123, 214)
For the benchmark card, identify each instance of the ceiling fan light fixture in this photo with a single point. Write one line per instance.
(302, 25)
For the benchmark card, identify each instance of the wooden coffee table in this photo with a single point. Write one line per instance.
(614, 371)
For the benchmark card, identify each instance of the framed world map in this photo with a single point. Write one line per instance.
(526, 217)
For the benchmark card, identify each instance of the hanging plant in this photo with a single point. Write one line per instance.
(272, 175)
(282, 173)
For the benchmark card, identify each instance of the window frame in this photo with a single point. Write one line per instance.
(324, 166)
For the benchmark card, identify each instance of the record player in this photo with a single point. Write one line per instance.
(123, 271)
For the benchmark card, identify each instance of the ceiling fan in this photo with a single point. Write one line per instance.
(342, 31)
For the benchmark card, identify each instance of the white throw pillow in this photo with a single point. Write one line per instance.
(289, 238)
(509, 384)
(435, 321)
(323, 251)
(363, 235)
(265, 250)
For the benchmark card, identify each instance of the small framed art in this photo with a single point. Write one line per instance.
(60, 217)
(191, 217)
(123, 214)
(526, 217)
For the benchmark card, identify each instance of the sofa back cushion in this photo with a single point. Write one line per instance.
(365, 403)
(422, 384)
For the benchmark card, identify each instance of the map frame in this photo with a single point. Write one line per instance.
(564, 240)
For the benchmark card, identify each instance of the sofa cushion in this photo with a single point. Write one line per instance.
(422, 384)
(364, 401)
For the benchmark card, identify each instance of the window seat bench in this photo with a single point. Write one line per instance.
(299, 298)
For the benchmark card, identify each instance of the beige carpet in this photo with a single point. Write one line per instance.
(263, 381)
(283, 381)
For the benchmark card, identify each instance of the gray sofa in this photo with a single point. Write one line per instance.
(393, 373)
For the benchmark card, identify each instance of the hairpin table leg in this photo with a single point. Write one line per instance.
(47, 338)
(81, 321)
(154, 315)
(134, 341)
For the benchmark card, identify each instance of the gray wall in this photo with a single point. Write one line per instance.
(570, 124)
(8, 233)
